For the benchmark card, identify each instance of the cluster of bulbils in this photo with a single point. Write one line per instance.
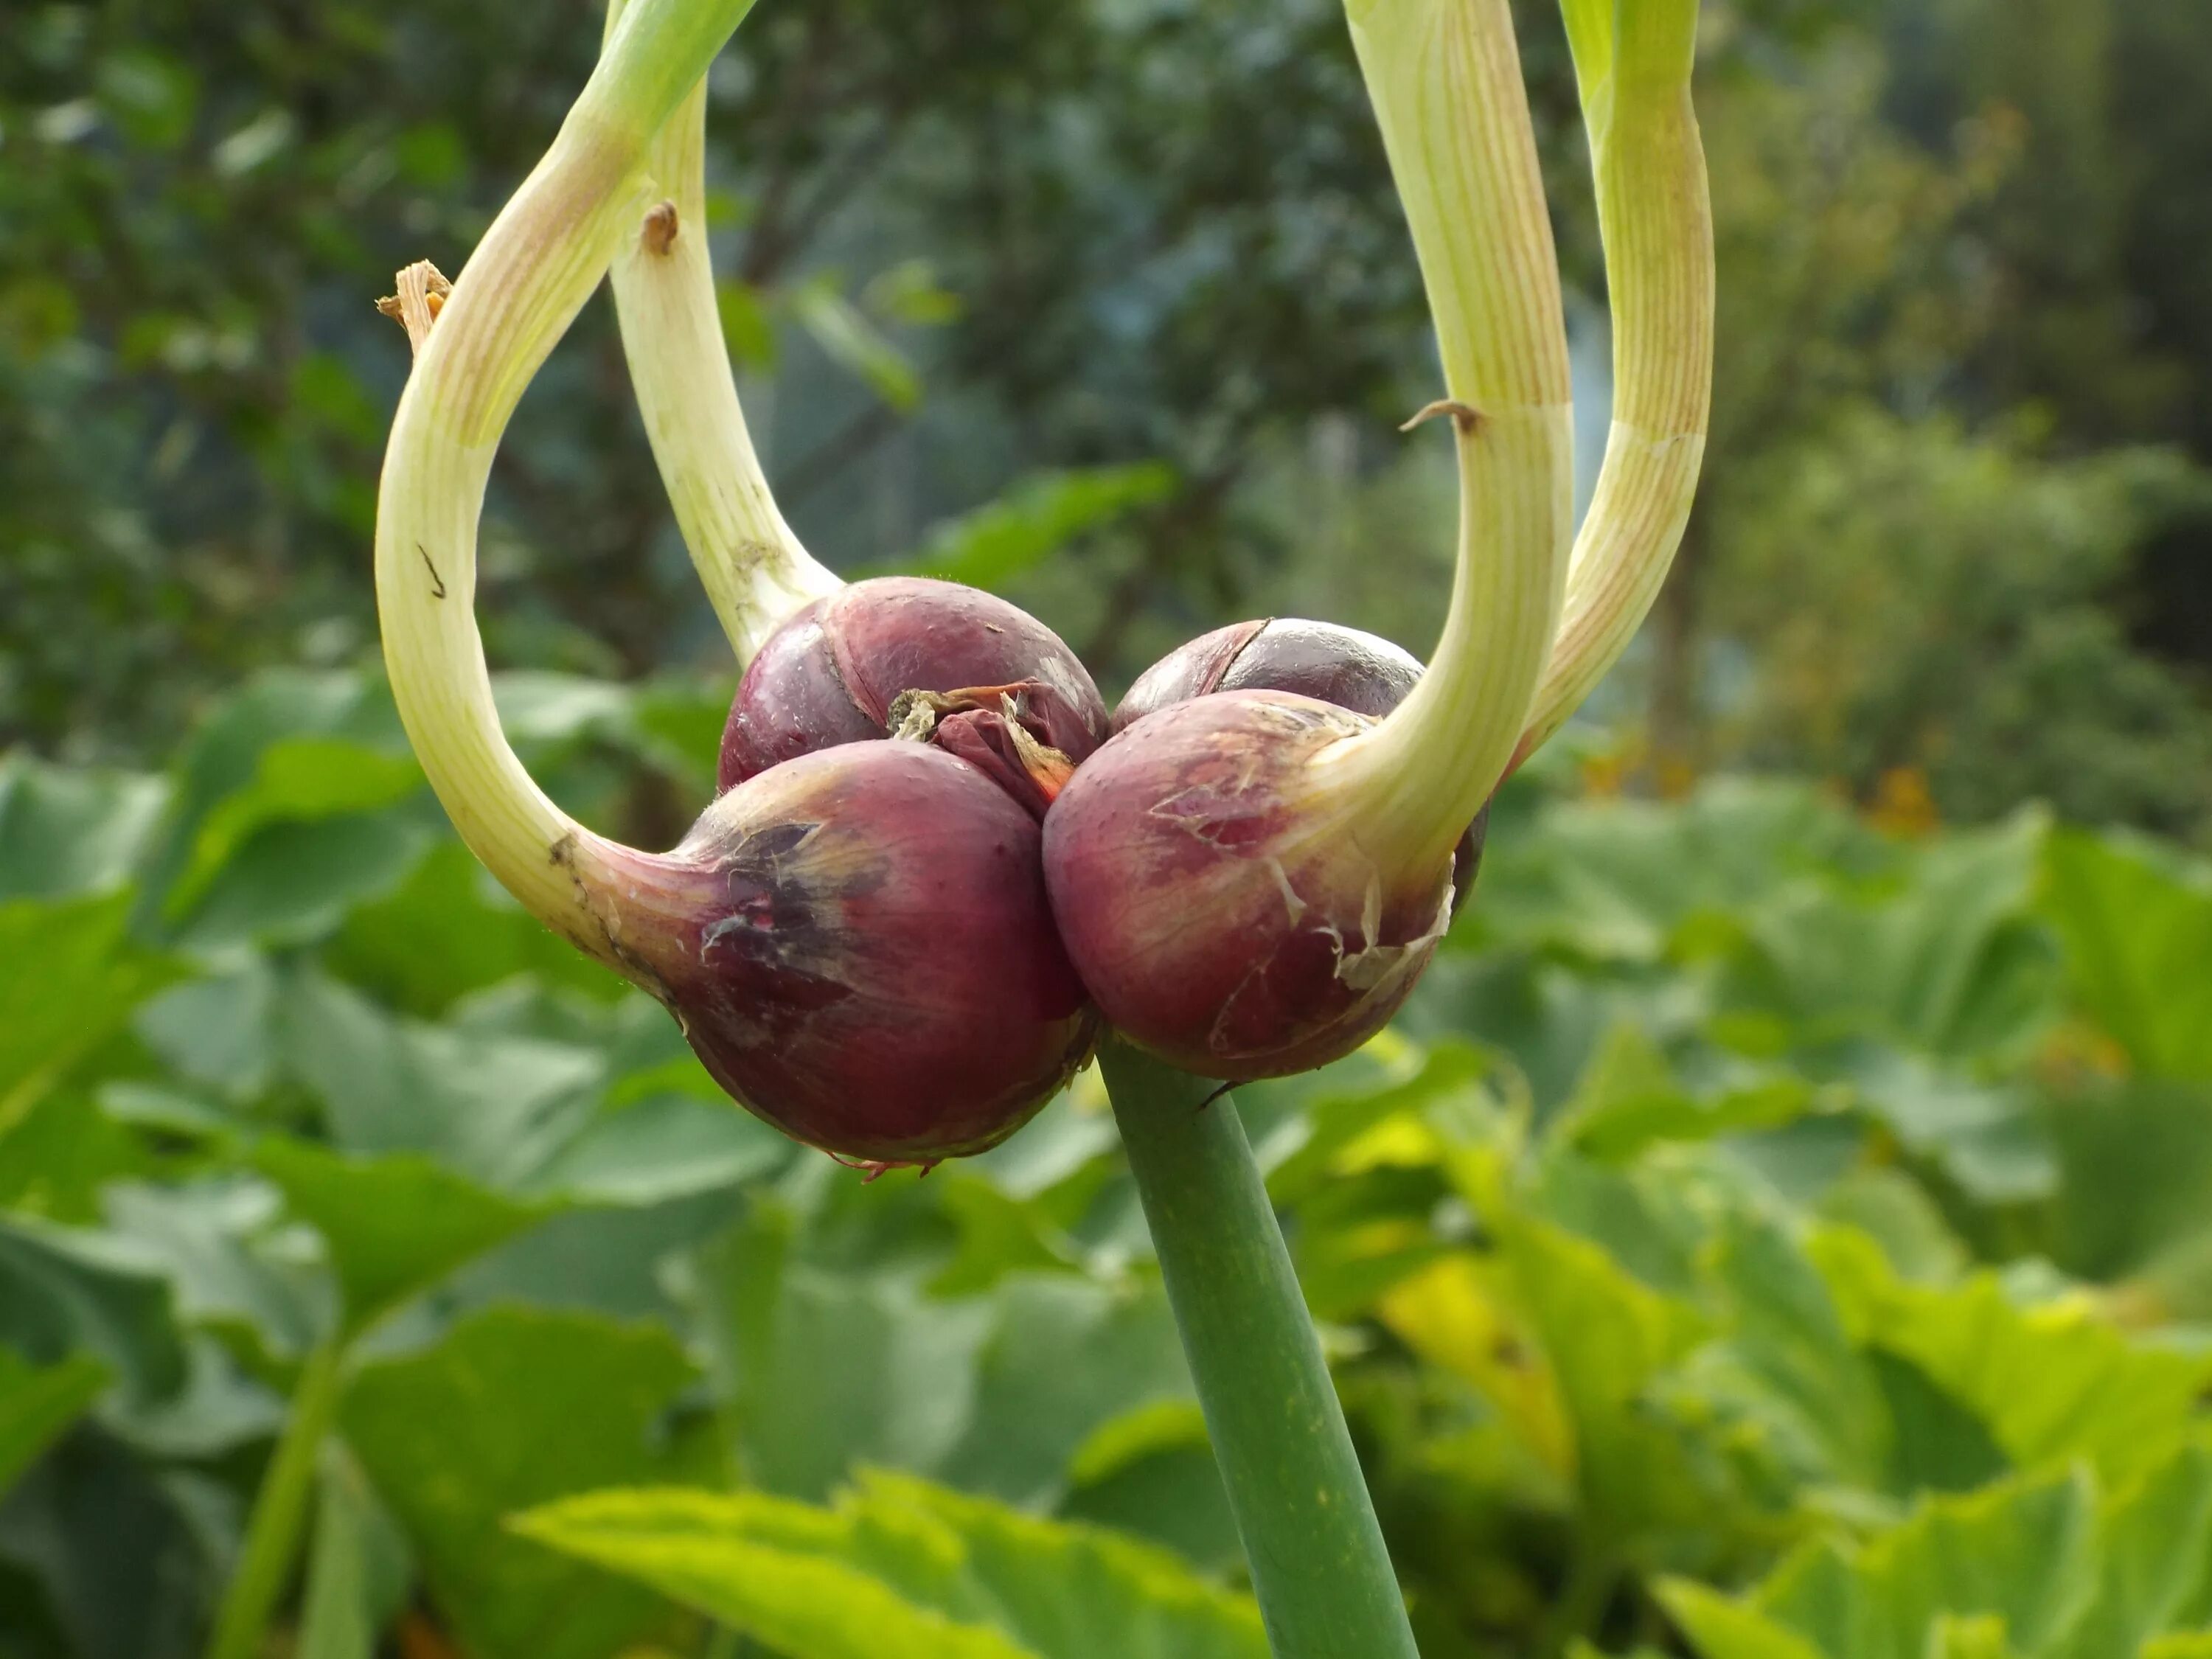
(936, 870)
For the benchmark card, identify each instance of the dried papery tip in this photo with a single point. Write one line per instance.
(1465, 417)
(873, 1170)
(422, 293)
(993, 728)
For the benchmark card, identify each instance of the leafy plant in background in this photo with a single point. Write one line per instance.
(1664, 1240)
(854, 938)
(1621, 1298)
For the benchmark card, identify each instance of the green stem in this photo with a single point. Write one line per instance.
(272, 1537)
(1317, 1560)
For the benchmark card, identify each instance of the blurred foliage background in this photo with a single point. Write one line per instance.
(1781, 1229)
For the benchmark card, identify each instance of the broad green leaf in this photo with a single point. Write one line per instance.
(1723, 1628)
(1630, 1098)
(513, 1408)
(2033, 1568)
(2138, 932)
(664, 1147)
(2054, 1381)
(221, 1242)
(1065, 1356)
(65, 831)
(835, 1370)
(393, 1225)
(1976, 1636)
(494, 1108)
(2137, 1195)
(2155, 1573)
(1036, 518)
(69, 977)
(1456, 1316)
(295, 781)
(956, 1574)
(38, 1402)
(218, 1031)
(2021, 1557)
(763, 1566)
(1607, 1338)
(1987, 1136)
(1621, 879)
(447, 930)
(65, 1290)
(294, 882)
(57, 1157)
(224, 753)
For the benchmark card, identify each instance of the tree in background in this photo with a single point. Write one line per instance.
(1131, 232)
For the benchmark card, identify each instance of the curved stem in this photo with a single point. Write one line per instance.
(1633, 64)
(1318, 1563)
(1444, 77)
(751, 564)
(533, 270)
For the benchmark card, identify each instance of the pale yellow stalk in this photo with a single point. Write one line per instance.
(755, 571)
(1632, 63)
(1444, 77)
(533, 270)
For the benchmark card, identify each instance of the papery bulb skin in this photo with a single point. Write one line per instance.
(859, 947)
(1363, 672)
(831, 673)
(1213, 895)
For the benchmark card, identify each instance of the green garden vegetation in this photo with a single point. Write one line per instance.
(1768, 1225)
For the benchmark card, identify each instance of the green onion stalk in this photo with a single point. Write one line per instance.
(1374, 802)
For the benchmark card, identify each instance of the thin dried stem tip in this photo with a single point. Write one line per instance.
(422, 296)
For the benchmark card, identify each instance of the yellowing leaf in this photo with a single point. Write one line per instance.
(1451, 1315)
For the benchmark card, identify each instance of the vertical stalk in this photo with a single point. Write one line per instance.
(754, 569)
(1318, 1563)
(272, 1537)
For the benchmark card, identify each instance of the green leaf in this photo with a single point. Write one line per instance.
(38, 1402)
(294, 882)
(1723, 1628)
(1035, 518)
(2156, 1572)
(834, 1370)
(763, 1566)
(664, 1147)
(219, 1240)
(65, 1290)
(65, 831)
(1630, 1098)
(1606, 1338)
(68, 979)
(849, 338)
(514, 1408)
(746, 330)
(2022, 1557)
(2053, 1382)
(394, 1224)
(449, 929)
(57, 1156)
(495, 1109)
(927, 1571)
(2138, 932)
(295, 780)
(1065, 1357)
(2137, 1194)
